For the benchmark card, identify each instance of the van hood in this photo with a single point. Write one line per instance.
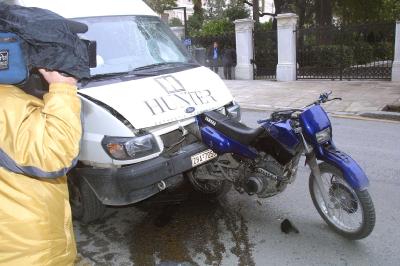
(157, 100)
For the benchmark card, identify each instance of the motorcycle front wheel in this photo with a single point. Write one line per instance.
(352, 212)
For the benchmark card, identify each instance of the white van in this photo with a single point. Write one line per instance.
(139, 108)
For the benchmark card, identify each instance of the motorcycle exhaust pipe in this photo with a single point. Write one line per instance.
(254, 185)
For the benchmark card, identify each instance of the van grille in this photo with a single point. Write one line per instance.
(175, 140)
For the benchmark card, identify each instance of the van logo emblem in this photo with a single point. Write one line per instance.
(190, 110)
(3, 59)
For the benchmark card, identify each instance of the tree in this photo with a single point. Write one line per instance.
(215, 8)
(323, 12)
(364, 11)
(217, 27)
(390, 10)
(195, 22)
(175, 22)
(160, 5)
(236, 10)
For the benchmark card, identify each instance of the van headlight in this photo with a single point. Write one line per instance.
(233, 111)
(323, 135)
(123, 148)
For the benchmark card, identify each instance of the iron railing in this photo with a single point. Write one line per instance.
(265, 54)
(347, 52)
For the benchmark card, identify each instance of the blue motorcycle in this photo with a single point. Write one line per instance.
(264, 160)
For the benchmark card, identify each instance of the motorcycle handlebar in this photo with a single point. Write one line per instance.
(323, 98)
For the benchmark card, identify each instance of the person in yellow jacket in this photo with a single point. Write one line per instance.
(39, 143)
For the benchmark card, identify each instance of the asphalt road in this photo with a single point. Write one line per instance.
(243, 230)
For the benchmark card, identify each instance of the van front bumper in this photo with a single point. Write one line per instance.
(136, 182)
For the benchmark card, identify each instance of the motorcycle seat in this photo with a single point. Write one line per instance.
(231, 127)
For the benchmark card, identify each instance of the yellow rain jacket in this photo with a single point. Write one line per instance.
(39, 143)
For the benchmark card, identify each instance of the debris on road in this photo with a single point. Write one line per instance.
(287, 227)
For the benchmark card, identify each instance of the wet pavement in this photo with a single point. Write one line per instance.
(167, 231)
(176, 229)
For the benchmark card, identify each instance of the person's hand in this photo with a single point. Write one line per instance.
(56, 77)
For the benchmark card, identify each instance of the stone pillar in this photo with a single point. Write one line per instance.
(396, 61)
(286, 68)
(244, 48)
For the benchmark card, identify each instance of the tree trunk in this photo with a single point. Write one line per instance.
(323, 12)
(256, 11)
(301, 11)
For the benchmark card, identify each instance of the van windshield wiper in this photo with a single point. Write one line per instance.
(165, 64)
(139, 71)
(118, 74)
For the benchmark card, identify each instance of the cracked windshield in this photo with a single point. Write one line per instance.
(132, 42)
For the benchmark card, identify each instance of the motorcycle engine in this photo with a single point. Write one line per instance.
(265, 177)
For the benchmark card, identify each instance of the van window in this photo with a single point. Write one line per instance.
(128, 42)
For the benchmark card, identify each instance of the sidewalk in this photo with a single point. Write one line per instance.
(358, 96)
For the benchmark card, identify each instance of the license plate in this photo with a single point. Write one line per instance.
(203, 157)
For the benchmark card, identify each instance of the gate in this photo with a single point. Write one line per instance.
(265, 54)
(348, 52)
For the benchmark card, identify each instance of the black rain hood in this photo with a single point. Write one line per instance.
(49, 40)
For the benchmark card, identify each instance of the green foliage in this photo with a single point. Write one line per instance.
(217, 27)
(391, 10)
(384, 50)
(195, 22)
(218, 23)
(265, 26)
(357, 11)
(160, 5)
(362, 11)
(175, 22)
(236, 10)
(215, 9)
(327, 56)
(345, 12)
(363, 53)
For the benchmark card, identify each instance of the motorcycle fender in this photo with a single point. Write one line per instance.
(352, 172)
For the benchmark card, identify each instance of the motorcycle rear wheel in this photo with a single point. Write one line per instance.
(352, 212)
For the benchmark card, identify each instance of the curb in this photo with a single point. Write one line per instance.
(394, 116)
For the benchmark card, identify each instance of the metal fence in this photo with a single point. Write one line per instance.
(265, 54)
(347, 52)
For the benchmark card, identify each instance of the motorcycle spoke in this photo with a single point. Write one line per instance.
(342, 212)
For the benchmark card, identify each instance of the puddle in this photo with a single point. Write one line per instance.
(186, 230)
(168, 230)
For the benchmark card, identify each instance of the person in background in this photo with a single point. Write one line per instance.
(214, 56)
(228, 61)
